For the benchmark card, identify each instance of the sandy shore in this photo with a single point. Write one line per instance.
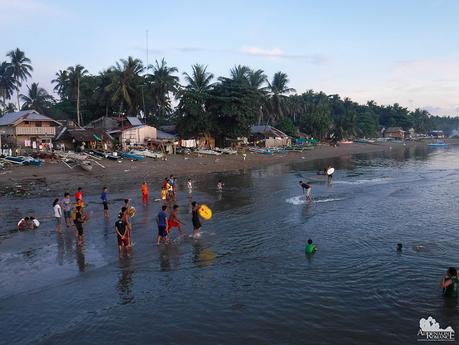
(53, 177)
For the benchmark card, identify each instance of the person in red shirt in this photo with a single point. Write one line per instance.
(144, 188)
(79, 194)
(174, 222)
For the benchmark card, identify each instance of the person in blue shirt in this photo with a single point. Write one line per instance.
(162, 222)
(104, 198)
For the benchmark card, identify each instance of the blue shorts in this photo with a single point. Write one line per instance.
(162, 231)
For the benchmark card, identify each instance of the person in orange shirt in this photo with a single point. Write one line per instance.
(144, 188)
(79, 194)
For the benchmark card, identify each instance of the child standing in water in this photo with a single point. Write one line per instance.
(162, 222)
(220, 185)
(104, 198)
(189, 185)
(144, 189)
(67, 207)
(195, 219)
(306, 190)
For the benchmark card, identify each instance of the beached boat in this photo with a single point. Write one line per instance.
(148, 154)
(438, 144)
(21, 160)
(226, 151)
(132, 156)
(85, 165)
(208, 152)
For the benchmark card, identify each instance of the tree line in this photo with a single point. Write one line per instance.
(203, 104)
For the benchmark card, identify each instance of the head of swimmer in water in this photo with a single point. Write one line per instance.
(26, 219)
(309, 241)
(452, 272)
(399, 247)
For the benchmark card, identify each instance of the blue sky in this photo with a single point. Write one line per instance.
(403, 51)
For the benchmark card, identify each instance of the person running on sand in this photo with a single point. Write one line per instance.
(104, 198)
(67, 208)
(195, 219)
(57, 214)
(162, 222)
(306, 190)
(174, 221)
(450, 283)
(121, 234)
(144, 189)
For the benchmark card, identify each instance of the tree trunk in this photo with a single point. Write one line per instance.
(78, 102)
(17, 93)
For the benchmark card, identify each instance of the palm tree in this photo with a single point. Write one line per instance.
(200, 79)
(37, 98)
(75, 73)
(162, 83)
(240, 73)
(257, 81)
(278, 88)
(126, 78)
(62, 83)
(21, 68)
(6, 81)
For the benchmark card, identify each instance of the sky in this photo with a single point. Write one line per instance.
(389, 51)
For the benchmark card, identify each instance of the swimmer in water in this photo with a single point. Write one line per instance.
(310, 248)
(399, 247)
(24, 224)
(450, 283)
(306, 190)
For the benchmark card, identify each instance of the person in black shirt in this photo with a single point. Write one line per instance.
(306, 190)
(122, 234)
(195, 219)
(79, 220)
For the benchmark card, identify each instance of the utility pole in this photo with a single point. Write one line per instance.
(146, 33)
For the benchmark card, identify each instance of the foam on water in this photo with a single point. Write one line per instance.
(366, 181)
(300, 200)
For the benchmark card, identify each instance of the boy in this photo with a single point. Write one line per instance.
(161, 220)
(220, 185)
(174, 221)
(104, 198)
(306, 190)
(67, 208)
(144, 189)
(79, 194)
(23, 224)
(195, 219)
(310, 248)
(79, 220)
(450, 283)
(121, 234)
(190, 187)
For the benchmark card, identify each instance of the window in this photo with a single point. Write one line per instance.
(38, 124)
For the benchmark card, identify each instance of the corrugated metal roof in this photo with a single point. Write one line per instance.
(134, 121)
(24, 115)
(266, 129)
(163, 135)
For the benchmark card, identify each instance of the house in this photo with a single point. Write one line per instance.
(78, 139)
(27, 129)
(437, 134)
(394, 133)
(104, 122)
(134, 136)
(269, 136)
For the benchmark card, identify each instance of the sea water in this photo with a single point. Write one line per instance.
(247, 280)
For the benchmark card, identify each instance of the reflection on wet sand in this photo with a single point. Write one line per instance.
(125, 281)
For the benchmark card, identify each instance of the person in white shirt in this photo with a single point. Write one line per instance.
(57, 214)
(190, 187)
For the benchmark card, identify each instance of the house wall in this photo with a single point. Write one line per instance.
(395, 135)
(278, 142)
(138, 135)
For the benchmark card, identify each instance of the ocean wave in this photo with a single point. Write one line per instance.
(373, 180)
(300, 200)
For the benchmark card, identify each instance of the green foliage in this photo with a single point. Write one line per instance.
(287, 126)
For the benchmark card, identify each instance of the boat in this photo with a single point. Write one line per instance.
(438, 144)
(227, 151)
(208, 152)
(21, 160)
(132, 156)
(85, 165)
(148, 154)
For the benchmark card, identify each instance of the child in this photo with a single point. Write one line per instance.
(190, 187)
(104, 198)
(67, 207)
(195, 219)
(121, 234)
(144, 189)
(306, 190)
(57, 210)
(23, 224)
(79, 194)
(450, 283)
(174, 221)
(79, 220)
(220, 185)
(161, 220)
(399, 247)
(310, 248)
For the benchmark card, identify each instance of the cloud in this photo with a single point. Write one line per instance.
(277, 53)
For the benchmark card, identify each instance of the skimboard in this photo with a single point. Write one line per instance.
(330, 171)
(132, 211)
(205, 212)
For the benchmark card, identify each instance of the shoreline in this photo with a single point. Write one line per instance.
(53, 177)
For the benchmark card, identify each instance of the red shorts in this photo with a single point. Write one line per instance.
(124, 241)
(172, 224)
